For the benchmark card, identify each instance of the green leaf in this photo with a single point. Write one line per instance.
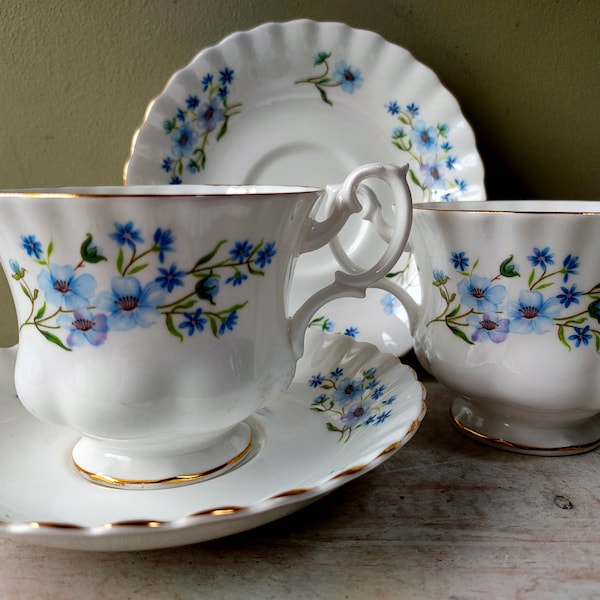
(204, 259)
(323, 94)
(40, 313)
(185, 305)
(138, 269)
(55, 340)
(543, 285)
(213, 326)
(50, 248)
(413, 178)
(597, 341)
(172, 329)
(223, 129)
(120, 260)
(26, 291)
(530, 280)
(460, 334)
(453, 313)
(561, 337)
(507, 268)
(332, 427)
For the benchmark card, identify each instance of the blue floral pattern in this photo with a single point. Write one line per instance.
(69, 310)
(351, 402)
(205, 115)
(480, 309)
(344, 75)
(437, 169)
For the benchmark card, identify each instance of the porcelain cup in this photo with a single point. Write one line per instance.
(154, 320)
(509, 318)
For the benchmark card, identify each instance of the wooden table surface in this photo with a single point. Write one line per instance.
(444, 518)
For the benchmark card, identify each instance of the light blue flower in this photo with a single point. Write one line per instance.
(62, 287)
(347, 390)
(479, 294)
(84, 327)
(389, 303)
(130, 305)
(184, 140)
(424, 137)
(489, 326)
(531, 313)
(348, 76)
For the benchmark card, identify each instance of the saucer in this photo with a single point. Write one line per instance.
(305, 102)
(349, 408)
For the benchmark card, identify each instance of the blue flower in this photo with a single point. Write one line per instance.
(62, 287)
(84, 326)
(163, 242)
(433, 173)
(461, 184)
(180, 115)
(389, 304)
(459, 260)
(316, 381)
(382, 417)
(351, 332)
(192, 102)
(15, 267)
(439, 277)
(392, 107)
(479, 294)
(570, 266)
(347, 390)
(241, 251)
(126, 234)
(194, 322)
(531, 313)
(378, 392)
(398, 133)
(348, 76)
(170, 277)
(223, 92)
(210, 114)
(226, 75)
(424, 137)
(265, 255)
(356, 413)
(541, 258)
(581, 336)
(336, 373)
(390, 400)
(167, 164)
(412, 109)
(451, 163)
(229, 323)
(328, 325)
(175, 180)
(130, 305)
(489, 326)
(184, 139)
(237, 278)
(206, 81)
(569, 297)
(446, 147)
(32, 245)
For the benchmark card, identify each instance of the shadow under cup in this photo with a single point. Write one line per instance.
(510, 319)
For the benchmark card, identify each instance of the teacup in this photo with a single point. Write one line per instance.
(154, 320)
(510, 318)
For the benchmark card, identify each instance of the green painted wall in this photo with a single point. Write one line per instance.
(77, 75)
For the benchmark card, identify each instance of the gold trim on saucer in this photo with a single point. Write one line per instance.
(183, 479)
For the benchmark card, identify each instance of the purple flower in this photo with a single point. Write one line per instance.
(84, 326)
(489, 326)
(210, 114)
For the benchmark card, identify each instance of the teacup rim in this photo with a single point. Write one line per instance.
(161, 191)
(516, 207)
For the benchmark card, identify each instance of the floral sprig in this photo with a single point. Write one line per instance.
(344, 75)
(193, 125)
(67, 300)
(480, 309)
(430, 147)
(351, 402)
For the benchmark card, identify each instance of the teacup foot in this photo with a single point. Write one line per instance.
(99, 463)
(524, 436)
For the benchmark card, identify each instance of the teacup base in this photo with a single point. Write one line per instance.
(524, 436)
(98, 462)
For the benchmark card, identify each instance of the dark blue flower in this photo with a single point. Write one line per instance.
(237, 278)
(180, 115)
(451, 163)
(192, 102)
(541, 258)
(378, 392)
(569, 297)
(229, 323)
(412, 109)
(459, 260)
(194, 322)
(167, 164)
(223, 92)
(265, 255)
(206, 81)
(226, 75)
(581, 336)
(351, 332)
(446, 147)
(461, 184)
(163, 242)
(336, 373)
(176, 180)
(126, 234)
(390, 400)
(170, 277)
(241, 251)
(316, 381)
(570, 266)
(32, 245)
(392, 107)
(382, 417)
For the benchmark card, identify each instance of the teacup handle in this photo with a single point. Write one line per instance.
(354, 280)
